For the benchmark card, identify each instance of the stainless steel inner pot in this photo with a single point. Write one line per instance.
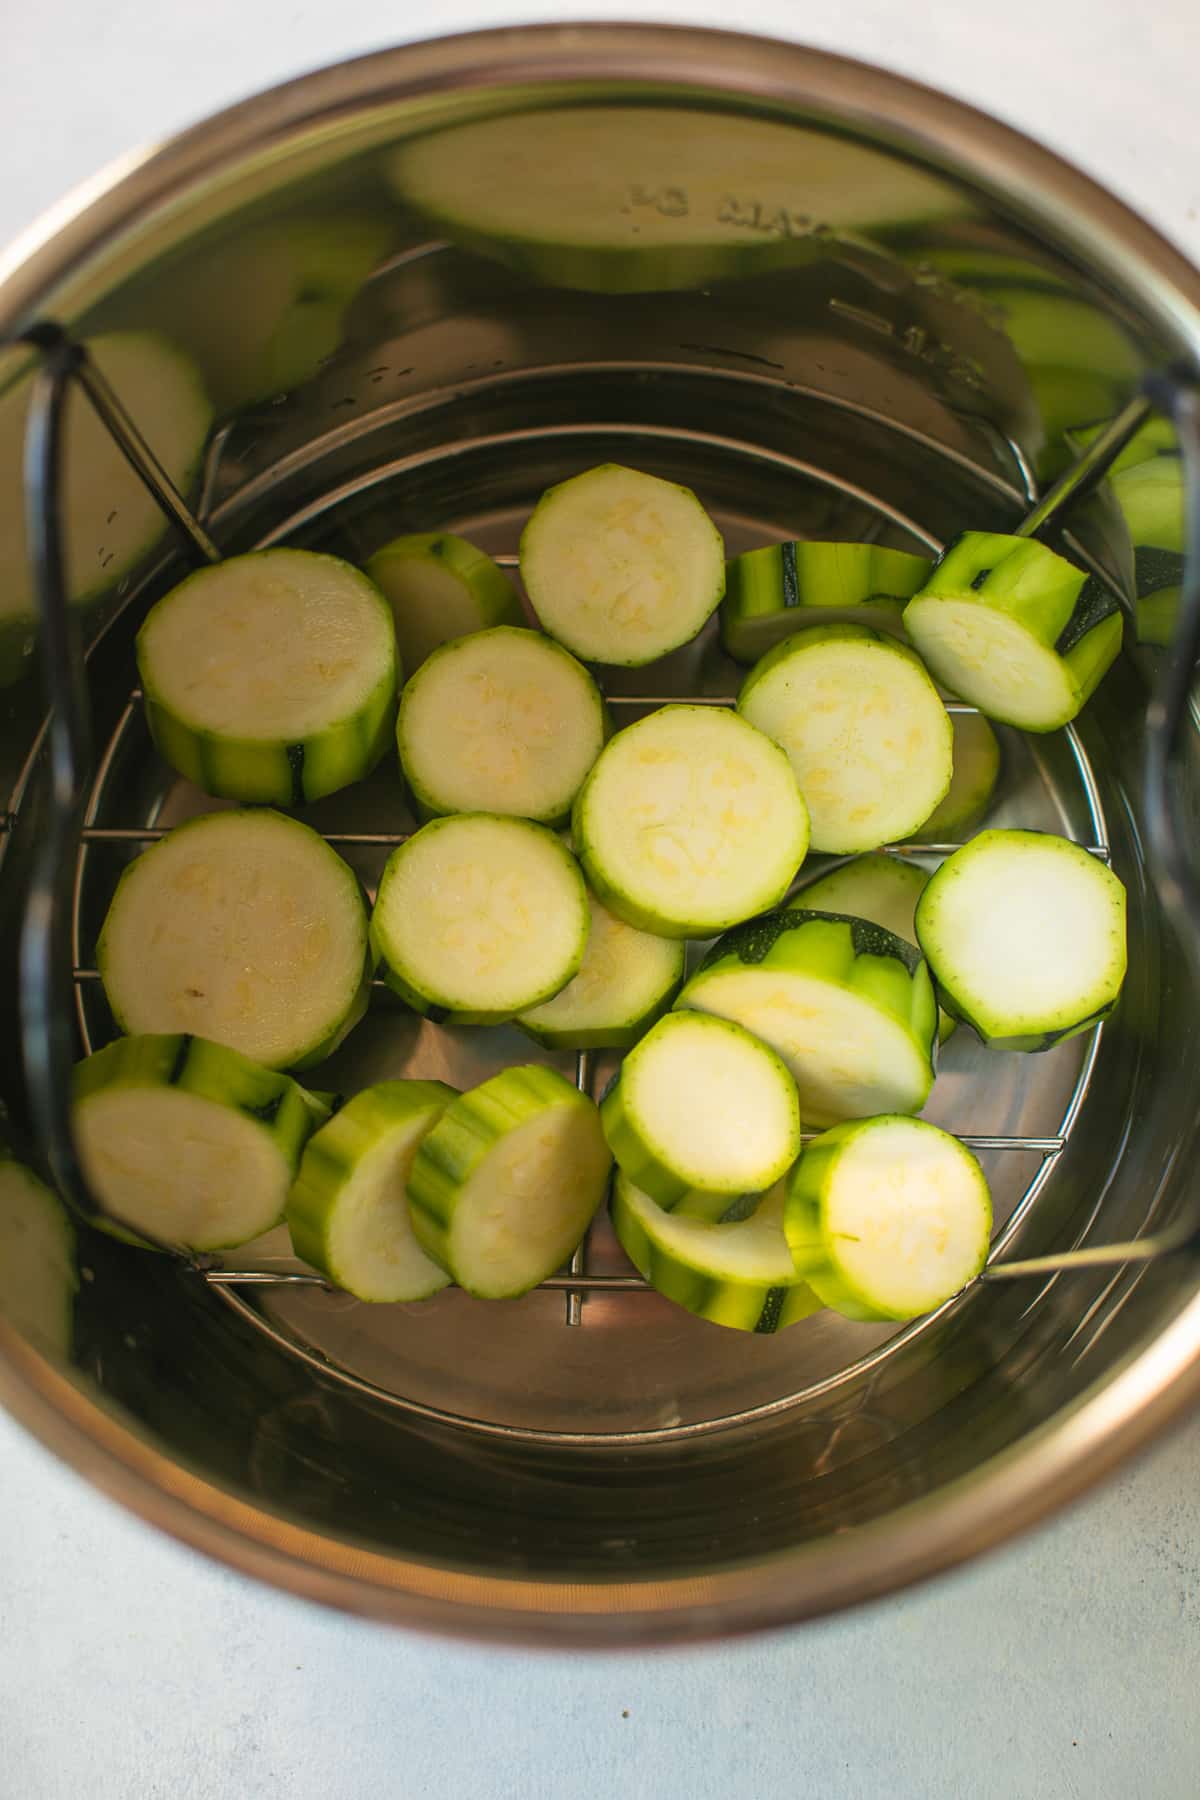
(420, 287)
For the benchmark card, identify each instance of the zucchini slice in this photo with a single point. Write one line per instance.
(901, 1213)
(863, 727)
(700, 1104)
(271, 677)
(976, 757)
(1025, 934)
(620, 566)
(772, 592)
(189, 1141)
(38, 1274)
(690, 821)
(110, 522)
(1015, 629)
(262, 306)
(881, 889)
(847, 1005)
(242, 927)
(480, 916)
(502, 721)
(348, 1210)
(627, 979)
(741, 1275)
(629, 199)
(504, 1186)
(440, 587)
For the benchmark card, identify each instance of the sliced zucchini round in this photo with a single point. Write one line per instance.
(110, 521)
(847, 1005)
(882, 889)
(347, 1211)
(1025, 934)
(242, 927)
(741, 1275)
(38, 1274)
(440, 587)
(271, 677)
(502, 721)
(628, 199)
(1151, 495)
(263, 305)
(504, 1186)
(620, 566)
(189, 1141)
(627, 979)
(976, 772)
(866, 734)
(1015, 629)
(689, 821)
(480, 916)
(700, 1104)
(897, 1210)
(772, 592)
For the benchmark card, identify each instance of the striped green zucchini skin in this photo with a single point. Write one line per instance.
(461, 1188)
(771, 592)
(390, 1114)
(1015, 628)
(265, 768)
(774, 974)
(265, 1099)
(682, 1260)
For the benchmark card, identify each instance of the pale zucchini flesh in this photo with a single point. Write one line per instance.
(348, 1212)
(1025, 934)
(502, 721)
(690, 821)
(700, 1104)
(440, 587)
(976, 757)
(627, 979)
(271, 677)
(244, 927)
(741, 1275)
(38, 1274)
(882, 889)
(188, 1141)
(506, 1183)
(620, 566)
(897, 1212)
(480, 916)
(867, 736)
(772, 592)
(1015, 629)
(847, 1005)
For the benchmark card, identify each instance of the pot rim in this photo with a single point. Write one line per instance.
(1060, 1459)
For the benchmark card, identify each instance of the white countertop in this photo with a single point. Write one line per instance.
(1068, 1664)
